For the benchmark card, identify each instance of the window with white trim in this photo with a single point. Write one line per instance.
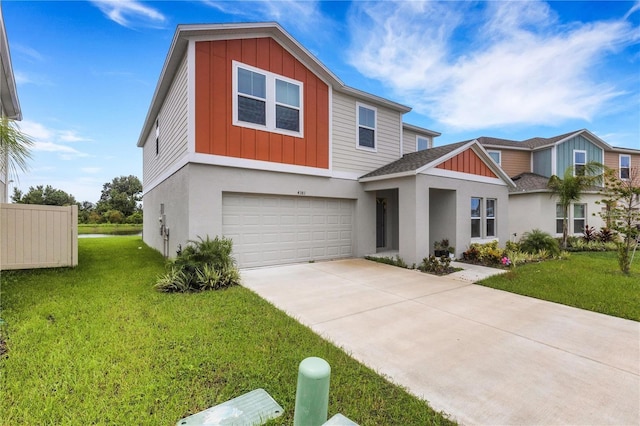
(559, 218)
(490, 218)
(483, 217)
(579, 161)
(367, 120)
(579, 217)
(266, 101)
(422, 143)
(496, 156)
(625, 166)
(476, 217)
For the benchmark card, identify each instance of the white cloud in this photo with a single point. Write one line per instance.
(289, 13)
(472, 65)
(71, 136)
(30, 78)
(30, 53)
(91, 170)
(125, 12)
(52, 140)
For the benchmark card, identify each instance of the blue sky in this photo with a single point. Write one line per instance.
(86, 70)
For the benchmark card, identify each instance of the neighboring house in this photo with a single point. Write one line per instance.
(249, 136)
(531, 162)
(9, 104)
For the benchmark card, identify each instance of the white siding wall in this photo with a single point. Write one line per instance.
(345, 155)
(173, 130)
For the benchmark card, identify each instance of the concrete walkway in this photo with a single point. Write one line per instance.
(483, 356)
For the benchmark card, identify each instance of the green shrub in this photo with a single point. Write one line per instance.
(114, 216)
(394, 261)
(201, 265)
(135, 218)
(512, 246)
(536, 240)
(437, 265)
(486, 254)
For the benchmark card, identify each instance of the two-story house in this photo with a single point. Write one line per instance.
(531, 162)
(250, 136)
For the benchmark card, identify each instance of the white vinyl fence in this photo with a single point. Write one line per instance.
(35, 236)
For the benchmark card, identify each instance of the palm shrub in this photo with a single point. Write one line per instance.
(537, 240)
(205, 264)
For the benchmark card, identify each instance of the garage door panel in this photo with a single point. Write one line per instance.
(271, 230)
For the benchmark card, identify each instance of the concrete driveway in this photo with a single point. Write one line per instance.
(483, 356)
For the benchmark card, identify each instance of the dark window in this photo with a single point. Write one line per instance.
(287, 118)
(252, 110)
(366, 127)
(476, 218)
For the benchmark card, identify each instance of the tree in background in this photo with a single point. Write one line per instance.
(44, 195)
(15, 147)
(570, 187)
(84, 211)
(122, 194)
(622, 199)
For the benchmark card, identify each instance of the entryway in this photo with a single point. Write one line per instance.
(387, 220)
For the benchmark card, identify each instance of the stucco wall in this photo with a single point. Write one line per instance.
(538, 211)
(174, 194)
(464, 190)
(193, 201)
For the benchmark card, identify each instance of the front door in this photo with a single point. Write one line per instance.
(381, 219)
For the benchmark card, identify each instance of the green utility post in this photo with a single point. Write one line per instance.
(312, 395)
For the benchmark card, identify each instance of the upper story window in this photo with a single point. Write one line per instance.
(625, 166)
(579, 161)
(366, 117)
(266, 101)
(496, 156)
(422, 143)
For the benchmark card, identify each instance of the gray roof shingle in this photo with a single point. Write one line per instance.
(528, 182)
(531, 143)
(415, 160)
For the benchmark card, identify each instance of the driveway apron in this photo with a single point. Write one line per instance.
(481, 355)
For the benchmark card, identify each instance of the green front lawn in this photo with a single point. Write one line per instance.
(587, 280)
(98, 345)
(109, 228)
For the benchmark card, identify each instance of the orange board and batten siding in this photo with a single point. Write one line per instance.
(467, 162)
(215, 132)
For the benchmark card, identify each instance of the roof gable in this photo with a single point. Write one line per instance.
(536, 143)
(210, 32)
(457, 157)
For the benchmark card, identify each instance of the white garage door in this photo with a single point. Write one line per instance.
(272, 229)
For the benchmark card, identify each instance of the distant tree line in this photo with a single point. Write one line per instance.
(119, 201)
